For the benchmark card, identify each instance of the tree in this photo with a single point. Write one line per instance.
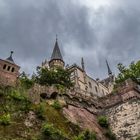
(132, 72)
(49, 77)
(25, 80)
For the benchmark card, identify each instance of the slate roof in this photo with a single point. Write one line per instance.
(56, 52)
(10, 59)
(108, 68)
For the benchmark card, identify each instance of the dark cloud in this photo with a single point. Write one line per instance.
(109, 32)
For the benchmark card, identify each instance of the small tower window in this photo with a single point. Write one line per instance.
(90, 85)
(96, 88)
(4, 67)
(13, 69)
(103, 91)
(8, 68)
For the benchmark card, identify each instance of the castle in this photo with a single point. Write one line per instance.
(82, 81)
(121, 107)
(9, 72)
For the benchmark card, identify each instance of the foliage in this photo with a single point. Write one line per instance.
(87, 135)
(102, 120)
(5, 119)
(110, 135)
(53, 76)
(138, 138)
(26, 81)
(19, 96)
(50, 131)
(56, 105)
(16, 95)
(40, 111)
(133, 72)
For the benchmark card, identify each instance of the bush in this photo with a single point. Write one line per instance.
(56, 105)
(87, 135)
(110, 135)
(25, 81)
(138, 138)
(5, 119)
(51, 132)
(16, 95)
(40, 111)
(102, 120)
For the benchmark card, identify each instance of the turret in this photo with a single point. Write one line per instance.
(83, 64)
(56, 58)
(108, 68)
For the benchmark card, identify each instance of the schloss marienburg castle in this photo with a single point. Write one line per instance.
(122, 107)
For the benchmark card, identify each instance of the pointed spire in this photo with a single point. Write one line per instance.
(109, 70)
(82, 63)
(56, 51)
(10, 58)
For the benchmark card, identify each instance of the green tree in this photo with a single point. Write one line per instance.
(132, 72)
(26, 81)
(53, 76)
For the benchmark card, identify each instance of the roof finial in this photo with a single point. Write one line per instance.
(11, 53)
(109, 70)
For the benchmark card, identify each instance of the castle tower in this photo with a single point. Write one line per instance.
(9, 71)
(56, 58)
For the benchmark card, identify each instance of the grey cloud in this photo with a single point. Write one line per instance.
(29, 27)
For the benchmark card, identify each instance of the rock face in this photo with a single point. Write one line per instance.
(84, 119)
(125, 120)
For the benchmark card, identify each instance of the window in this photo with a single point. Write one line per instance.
(90, 85)
(13, 69)
(8, 68)
(96, 88)
(4, 67)
(103, 91)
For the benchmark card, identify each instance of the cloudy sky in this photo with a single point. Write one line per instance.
(93, 29)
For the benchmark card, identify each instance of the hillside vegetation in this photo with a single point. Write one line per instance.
(22, 120)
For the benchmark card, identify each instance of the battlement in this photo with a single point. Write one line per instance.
(125, 91)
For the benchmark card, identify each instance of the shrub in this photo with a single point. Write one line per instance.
(102, 120)
(40, 111)
(138, 138)
(25, 81)
(51, 132)
(110, 135)
(87, 135)
(56, 105)
(1, 91)
(16, 95)
(5, 119)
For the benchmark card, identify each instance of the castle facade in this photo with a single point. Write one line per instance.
(83, 83)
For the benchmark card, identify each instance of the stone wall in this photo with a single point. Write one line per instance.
(125, 119)
(123, 111)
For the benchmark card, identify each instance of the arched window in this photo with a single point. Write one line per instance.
(4, 67)
(13, 69)
(103, 92)
(96, 88)
(90, 85)
(8, 68)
